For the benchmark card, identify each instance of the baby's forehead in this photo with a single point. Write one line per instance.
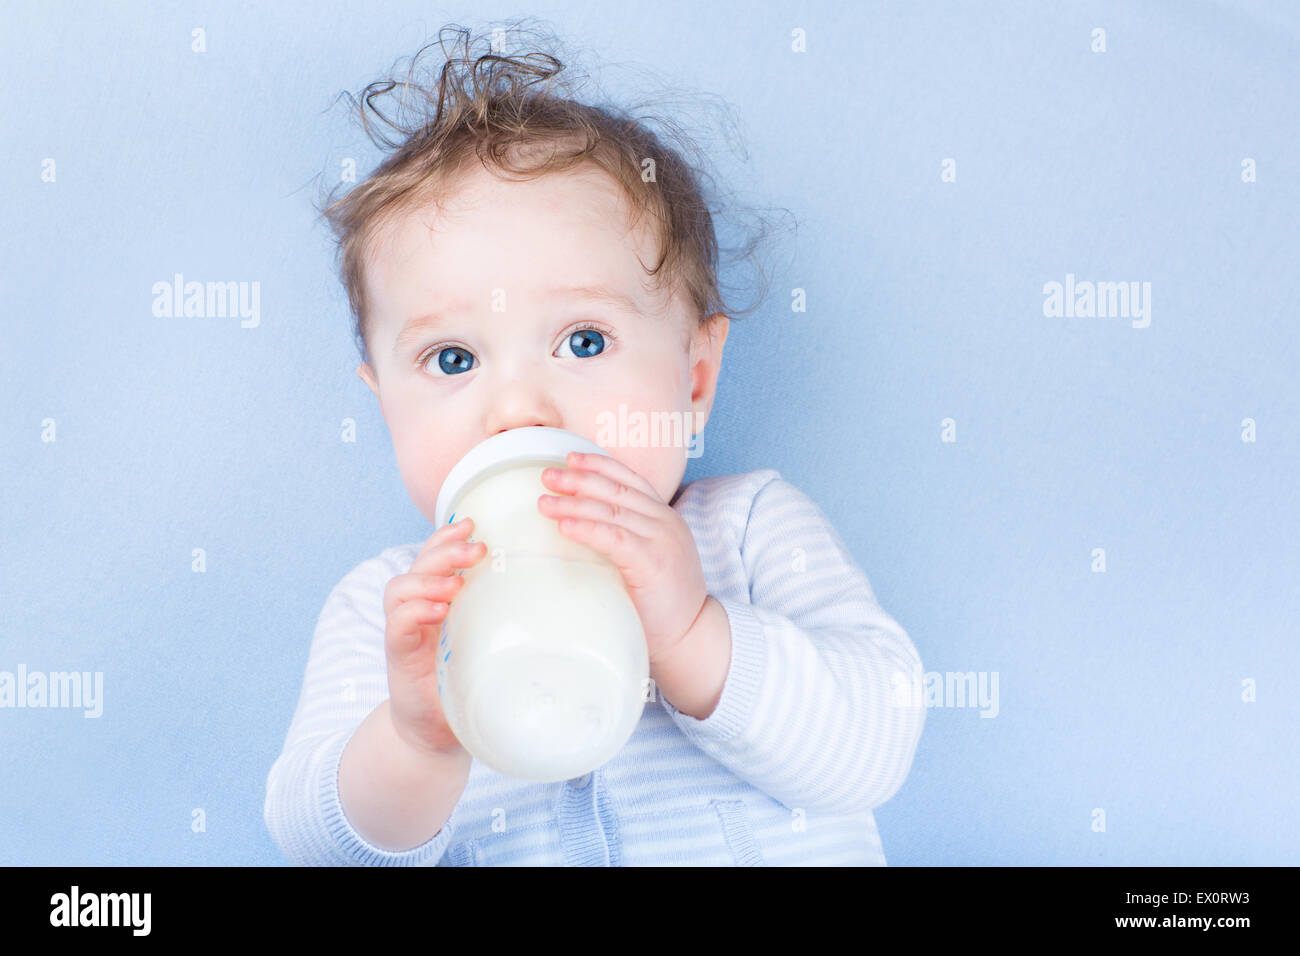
(475, 186)
(484, 233)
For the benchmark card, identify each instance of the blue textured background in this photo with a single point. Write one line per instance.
(1119, 691)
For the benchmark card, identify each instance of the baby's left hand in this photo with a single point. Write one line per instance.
(607, 506)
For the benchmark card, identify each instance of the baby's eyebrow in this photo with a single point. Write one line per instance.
(595, 293)
(415, 326)
(583, 293)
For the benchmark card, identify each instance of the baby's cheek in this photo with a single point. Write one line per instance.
(422, 473)
(659, 466)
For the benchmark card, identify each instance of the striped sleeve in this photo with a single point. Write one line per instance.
(811, 711)
(346, 678)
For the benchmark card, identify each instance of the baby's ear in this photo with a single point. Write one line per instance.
(706, 362)
(711, 336)
(368, 376)
(720, 326)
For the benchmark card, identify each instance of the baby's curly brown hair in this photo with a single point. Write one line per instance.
(520, 117)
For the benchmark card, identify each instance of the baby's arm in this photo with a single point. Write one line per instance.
(345, 692)
(811, 712)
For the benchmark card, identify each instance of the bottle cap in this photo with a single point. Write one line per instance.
(530, 443)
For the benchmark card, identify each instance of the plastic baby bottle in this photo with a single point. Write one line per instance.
(543, 663)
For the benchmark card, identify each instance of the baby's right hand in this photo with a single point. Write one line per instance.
(415, 605)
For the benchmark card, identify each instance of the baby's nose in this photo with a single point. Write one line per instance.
(534, 424)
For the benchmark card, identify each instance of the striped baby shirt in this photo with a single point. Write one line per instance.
(814, 728)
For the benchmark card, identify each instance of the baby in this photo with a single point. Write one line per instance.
(521, 260)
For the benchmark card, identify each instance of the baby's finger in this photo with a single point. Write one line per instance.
(406, 633)
(432, 587)
(612, 468)
(449, 557)
(449, 532)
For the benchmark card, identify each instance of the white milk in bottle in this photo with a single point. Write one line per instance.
(543, 664)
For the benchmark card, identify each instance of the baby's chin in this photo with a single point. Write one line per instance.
(426, 501)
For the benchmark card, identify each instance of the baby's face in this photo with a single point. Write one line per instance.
(475, 328)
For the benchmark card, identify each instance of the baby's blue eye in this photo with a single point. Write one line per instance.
(586, 343)
(451, 363)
